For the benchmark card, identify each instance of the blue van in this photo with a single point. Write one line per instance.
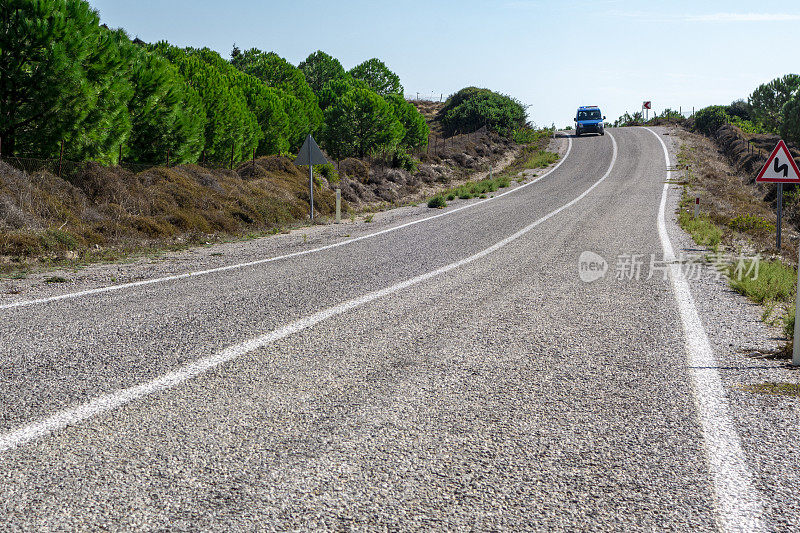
(589, 120)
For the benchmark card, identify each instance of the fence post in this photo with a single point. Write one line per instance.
(254, 159)
(167, 157)
(119, 161)
(60, 158)
(1, 147)
(233, 149)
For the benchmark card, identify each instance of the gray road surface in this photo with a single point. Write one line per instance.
(505, 394)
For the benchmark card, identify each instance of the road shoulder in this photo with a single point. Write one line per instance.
(769, 425)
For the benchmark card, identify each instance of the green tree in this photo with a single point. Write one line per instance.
(231, 128)
(415, 128)
(167, 115)
(471, 108)
(107, 125)
(767, 100)
(335, 89)
(790, 123)
(59, 79)
(319, 69)
(378, 76)
(361, 122)
(280, 74)
(267, 104)
(709, 119)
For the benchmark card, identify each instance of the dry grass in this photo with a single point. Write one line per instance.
(108, 208)
(728, 198)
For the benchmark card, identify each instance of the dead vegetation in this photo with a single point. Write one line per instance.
(102, 207)
(721, 172)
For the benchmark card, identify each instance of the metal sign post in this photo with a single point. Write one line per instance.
(311, 182)
(781, 168)
(310, 155)
(780, 210)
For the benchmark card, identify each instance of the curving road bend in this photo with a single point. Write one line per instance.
(452, 374)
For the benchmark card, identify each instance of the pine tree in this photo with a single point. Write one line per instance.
(378, 76)
(319, 69)
(415, 129)
(280, 74)
(60, 79)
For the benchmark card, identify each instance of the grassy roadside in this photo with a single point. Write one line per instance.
(734, 232)
(532, 156)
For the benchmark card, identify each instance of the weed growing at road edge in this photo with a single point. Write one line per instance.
(772, 282)
(703, 231)
(781, 389)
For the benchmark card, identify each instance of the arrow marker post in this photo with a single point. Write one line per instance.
(310, 155)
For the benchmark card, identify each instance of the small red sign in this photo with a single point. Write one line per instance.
(780, 167)
(647, 104)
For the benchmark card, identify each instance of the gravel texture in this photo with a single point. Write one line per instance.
(503, 395)
(769, 425)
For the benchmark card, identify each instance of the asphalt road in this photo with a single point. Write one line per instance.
(452, 374)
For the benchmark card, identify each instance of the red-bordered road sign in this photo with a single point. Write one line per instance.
(780, 167)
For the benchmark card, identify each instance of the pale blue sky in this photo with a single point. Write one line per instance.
(551, 55)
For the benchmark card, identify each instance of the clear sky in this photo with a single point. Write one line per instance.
(551, 55)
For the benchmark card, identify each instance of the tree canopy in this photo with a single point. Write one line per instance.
(320, 69)
(767, 100)
(378, 76)
(64, 77)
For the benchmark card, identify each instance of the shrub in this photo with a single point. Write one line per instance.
(437, 202)
(404, 160)
(328, 172)
(750, 222)
(709, 119)
(771, 281)
(471, 108)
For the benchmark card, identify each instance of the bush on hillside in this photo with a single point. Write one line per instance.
(471, 108)
(709, 119)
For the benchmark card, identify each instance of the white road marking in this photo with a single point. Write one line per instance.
(122, 286)
(739, 506)
(113, 400)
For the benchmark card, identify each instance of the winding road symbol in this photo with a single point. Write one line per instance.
(780, 167)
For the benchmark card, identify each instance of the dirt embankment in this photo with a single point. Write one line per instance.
(100, 211)
(747, 152)
(721, 170)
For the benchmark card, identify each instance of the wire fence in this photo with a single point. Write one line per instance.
(426, 97)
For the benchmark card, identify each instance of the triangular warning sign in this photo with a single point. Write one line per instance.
(310, 154)
(780, 167)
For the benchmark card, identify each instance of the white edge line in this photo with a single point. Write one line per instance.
(107, 402)
(739, 506)
(112, 288)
